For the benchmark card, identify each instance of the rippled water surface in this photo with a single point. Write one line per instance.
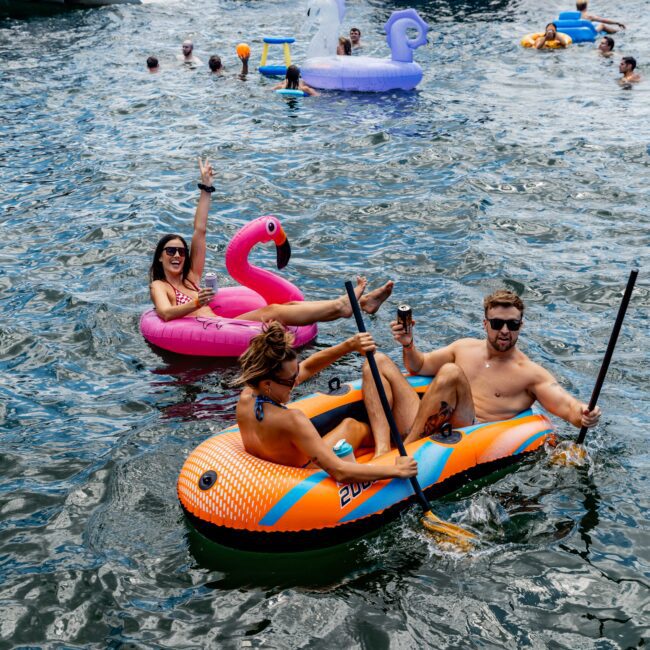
(506, 167)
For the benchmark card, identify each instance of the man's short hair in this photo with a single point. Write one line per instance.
(610, 41)
(581, 5)
(630, 60)
(355, 29)
(152, 62)
(503, 298)
(215, 63)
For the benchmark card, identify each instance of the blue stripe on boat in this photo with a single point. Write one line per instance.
(430, 466)
(531, 440)
(474, 427)
(291, 498)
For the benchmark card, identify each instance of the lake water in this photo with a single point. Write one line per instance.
(506, 167)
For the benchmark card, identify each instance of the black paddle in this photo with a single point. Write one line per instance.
(610, 348)
(441, 529)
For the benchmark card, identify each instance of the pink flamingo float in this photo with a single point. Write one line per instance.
(225, 335)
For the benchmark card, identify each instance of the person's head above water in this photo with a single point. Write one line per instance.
(270, 364)
(355, 35)
(606, 44)
(187, 47)
(293, 77)
(581, 5)
(550, 30)
(215, 63)
(172, 255)
(627, 64)
(152, 63)
(344, 47)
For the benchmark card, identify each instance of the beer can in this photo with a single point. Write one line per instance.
(211, 281)
(404, 316)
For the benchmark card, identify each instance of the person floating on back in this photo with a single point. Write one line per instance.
(604, 24)
(606, 46)
(293, 82)
(626, 67)
(552, 38)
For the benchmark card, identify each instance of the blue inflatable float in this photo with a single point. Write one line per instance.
(579, 29)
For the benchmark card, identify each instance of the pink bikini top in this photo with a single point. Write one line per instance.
(182, 298)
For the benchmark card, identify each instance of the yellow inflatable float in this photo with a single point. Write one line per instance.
(563, 40)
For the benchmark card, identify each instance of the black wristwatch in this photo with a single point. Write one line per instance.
(206, 188)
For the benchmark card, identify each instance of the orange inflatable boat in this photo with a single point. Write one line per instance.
(242, 501)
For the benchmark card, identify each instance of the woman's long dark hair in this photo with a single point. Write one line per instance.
(156, 272)
(293, 77)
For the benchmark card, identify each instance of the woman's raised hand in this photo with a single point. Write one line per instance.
(207, 173)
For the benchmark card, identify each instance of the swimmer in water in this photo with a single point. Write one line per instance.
(152, 64)
(626, 67)
(216, 66)
(606, 46)
(344, 48)
(188, 57)
(293, 82)
(552, 38)
(355, 37)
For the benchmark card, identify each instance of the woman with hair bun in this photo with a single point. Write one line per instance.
(270, 369)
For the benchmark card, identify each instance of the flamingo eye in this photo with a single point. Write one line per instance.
(270, 227)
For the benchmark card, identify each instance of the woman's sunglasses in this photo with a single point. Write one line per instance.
(497, 323)
(172, 250)
(289, 383)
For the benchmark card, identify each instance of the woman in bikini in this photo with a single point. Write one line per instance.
(176, 272)
(270, 369)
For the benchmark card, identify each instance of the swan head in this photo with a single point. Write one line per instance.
(274, 232)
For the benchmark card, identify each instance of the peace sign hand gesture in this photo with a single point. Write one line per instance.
(207, 172)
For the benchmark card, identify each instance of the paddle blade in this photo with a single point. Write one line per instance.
(447, 533)
(569, 454)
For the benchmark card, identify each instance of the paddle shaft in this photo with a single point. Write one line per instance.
(395, 435)
(610, 348)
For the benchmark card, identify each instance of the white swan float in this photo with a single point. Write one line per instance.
(324, 69)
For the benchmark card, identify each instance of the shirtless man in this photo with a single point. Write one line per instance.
(606, 46)
(188, 57)
(626, 68)
(603, 23)
(476, 380)
(355, 37)
(551, 36)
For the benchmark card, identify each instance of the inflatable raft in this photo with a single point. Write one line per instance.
(242, 501)
(225, 335)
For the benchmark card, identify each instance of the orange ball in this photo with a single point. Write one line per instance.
(243, 50)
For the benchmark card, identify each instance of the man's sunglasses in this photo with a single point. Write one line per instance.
(172, 250)
(497, 323)
(289, 383)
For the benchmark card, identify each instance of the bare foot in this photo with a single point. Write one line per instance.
(346, 307)
(372, 301)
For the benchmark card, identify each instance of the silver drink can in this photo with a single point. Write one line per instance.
(404, 316)
(211, 281)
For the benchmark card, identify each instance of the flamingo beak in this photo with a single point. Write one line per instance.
(283, 250)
